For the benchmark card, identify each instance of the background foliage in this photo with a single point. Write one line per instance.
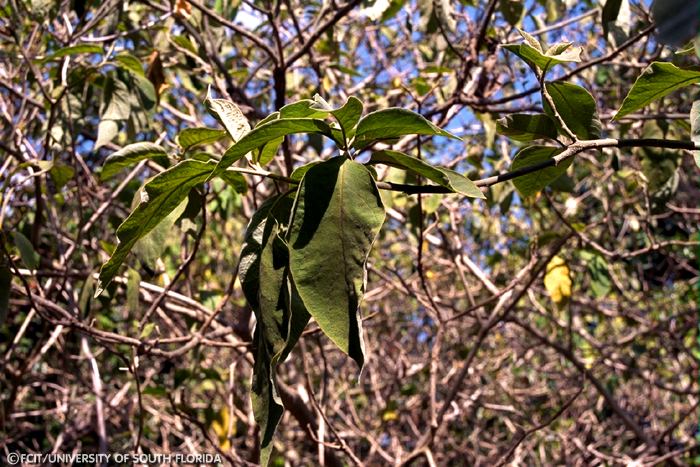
(554, 321)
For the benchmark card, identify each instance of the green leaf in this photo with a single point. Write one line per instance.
(576, 107)
(447, 178)
(151, 246)
(393, 123)
(616, 14)
(268, 132)
(348, 115)
(163, 193)
(527, 127)
(130, 63)
(276, 208)
(116, 101)
(541, 61)
(128, 156)
(656, 81)
(191, 137)
(73, 50)
(601, 283)
(29, 256)
(305, 108)
(281, 316)
(268, 152)
(229, 115)
(337, 216)
(61, 174)
(300, 171)
(534, 182)
(106, 131)
(235, 180)
(512, 10)
(695, 128)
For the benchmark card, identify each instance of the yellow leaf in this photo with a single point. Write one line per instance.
(390, 415)
(220, 427)
(557, 280)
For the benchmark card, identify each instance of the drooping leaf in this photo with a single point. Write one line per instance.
(393, 123)
(530, 184)
(576, 107)
(191, 137)
(29, 256)
(337, 216)
(229, 115)
(162, 194)
(281, 316)
(655, 82)
(268, 132)
(130, 155)
(268, 152)
(695, 128)
(527, 127)
(447, 178)
(276, 208)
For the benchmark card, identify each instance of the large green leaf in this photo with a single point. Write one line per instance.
(130, 155)
(447, 178)
(270, 131)
(191, 137)
(527, 127)
(530, 184)
(656, 81)
(162, 194)
(337, 216)
(576, 107)
(393, 123)
(695, 128)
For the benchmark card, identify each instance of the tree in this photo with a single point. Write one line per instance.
(408, 232)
